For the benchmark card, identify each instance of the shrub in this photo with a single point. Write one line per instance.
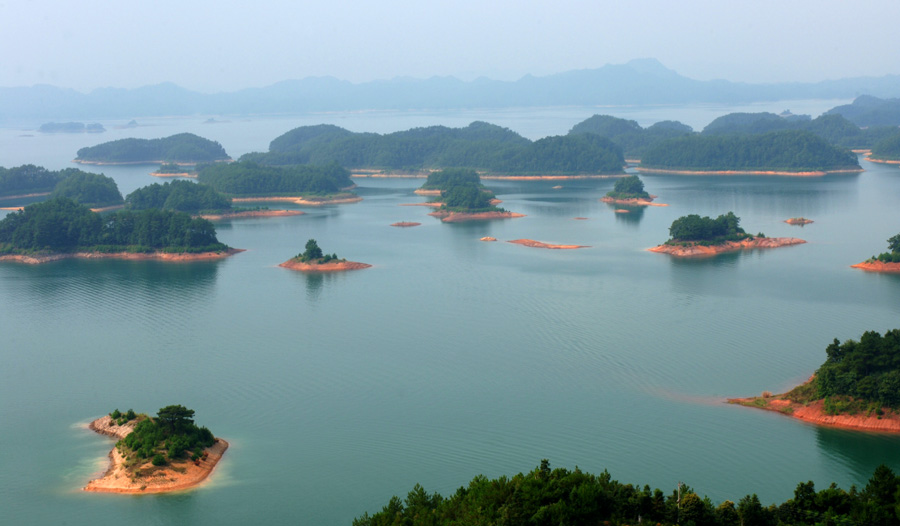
(115, 414)
(158, 460)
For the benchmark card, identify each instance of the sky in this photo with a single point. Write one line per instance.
(215, 46)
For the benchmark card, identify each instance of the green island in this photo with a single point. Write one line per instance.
(629, 193)
(887, 150)
(303, 184)
(857, 387)
(29, 180)
(629, 135)
(180, 148)
(481, 146)
(313, 260)
(175, 170)
(93, 190)
(181, 196)
(155, 455)
(59, 228)
(71, 127)
(789, 152)
(692, 236)
(886, 261)
(461, 196)
(560, 496)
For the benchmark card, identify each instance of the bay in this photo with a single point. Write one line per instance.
(450, 357)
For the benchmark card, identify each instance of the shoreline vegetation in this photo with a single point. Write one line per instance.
(183, 148)
(339, 199)
(695, 236)
(888, 262)
(312, 260)
(449, 216)
(239, 214)
(858, 387)
(156, 455)
(878, 266)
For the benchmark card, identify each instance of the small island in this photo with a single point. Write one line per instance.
(176, 170)
(858, 387)
(886, 261)
(405, 224)
(463, 197)
(695, 236)
(629, 191)
(798, 221)
(156, 455)
(61, 228)
(71, 127)
(247, 182)
(313, 260)
(181, 148)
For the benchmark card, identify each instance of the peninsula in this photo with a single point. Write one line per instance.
(313, 260)
(695, 236)
(629, 191)
(310, 185)
(92, 189)
(181, 148)
(156, 455)
(888, 262)
(858, 387)
(176, 170)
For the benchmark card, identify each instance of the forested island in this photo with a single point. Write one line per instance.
(93, 190)
(886, 261)
(180, 148)
(195, 199)
(71, 127)
(887, 150)
(695, 236)
(156, 455)
(857, 387)
(481, 146)
(175, 170)
(61, 228)
(790, 152)
(313, 260)
(557, 496)
(868, 111)
(303, 184)
(463, 197)
(832, 127)
(628, 134)
(629, 191)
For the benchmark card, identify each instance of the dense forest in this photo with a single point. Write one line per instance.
(183, 147)
(630, 187)
(71, 127)
(62, 225)
(887, 149)
(249, 179)
(90, 189)
(791, 151)
(552, 497)
(481, 146)
(442, 179)
(29, 179)
(834, 128)
(869, 111)
(163, 439)
(707, 231)
(628, 135)
(182, 196)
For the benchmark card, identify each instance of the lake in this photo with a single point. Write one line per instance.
(450, 357)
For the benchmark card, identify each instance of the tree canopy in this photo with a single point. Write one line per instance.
(628, 134)
(183, 147)
(893, 254)
(448, 177)
(868, 369)
(93, 190)
(693, 228)
(182, 196)
(29, 179)
(165, 438)
(888, 149)
(248, 179)
(630, 187)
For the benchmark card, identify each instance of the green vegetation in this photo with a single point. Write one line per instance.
(790, 151)
(172, 168)
(249, 179)
(628, 135)
(630, 187)
(71, 127)
(182, 196)
(461, 191)
(479, 146)
(887, 149)
(164, 439)
(443, 179)
(313, 254)
(870, 111)
(705, 230)
(29, 179)
(62, 225)
(89, 189)
(894, 255)
(183, 147)
(834, 128)
(545, 497)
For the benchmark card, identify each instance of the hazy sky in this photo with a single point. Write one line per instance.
(217, 45)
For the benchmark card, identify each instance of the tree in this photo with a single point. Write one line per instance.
(894, 243)
(312, 251)
(175, 418)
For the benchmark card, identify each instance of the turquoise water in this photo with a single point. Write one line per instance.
(450, 357)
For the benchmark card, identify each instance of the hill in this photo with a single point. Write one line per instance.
(180, 148)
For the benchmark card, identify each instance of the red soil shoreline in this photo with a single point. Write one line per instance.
(817, 173)
(798, 221)
(881, 161)
(252, 213)
(162, 256)
(539, 244)
(458, 217)
(332, 266)
(300, 200)
(878, 266)
(633, 201)
(405, 224)
(22, 196)
(117, 479)
(814, 413)
(189, 175)
(728, 246)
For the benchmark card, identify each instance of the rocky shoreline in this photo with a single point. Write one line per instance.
(331, 266)
(458, 217)
(252, 213)
(135, 256)
(814, 413)
(694, 250)
(878, 266)
(812, 173)
(539, 244)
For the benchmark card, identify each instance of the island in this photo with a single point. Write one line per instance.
(886, 261)
(798, 221)
(463, 197)
(312, 260)
(310, 185)
(858, 387)
(71, 127)
(29, 181)
(539, 244)
(629, 191)
(180, 148)
(695, 236)
(61, 228)
(492, 150)
(789, 152)
(196, 199)
(156, 455)
(175, 170)
(577, 497)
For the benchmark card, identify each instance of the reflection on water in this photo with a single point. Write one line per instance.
(856, 451)
(632, 215)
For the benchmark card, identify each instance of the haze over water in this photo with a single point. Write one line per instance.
(450, 357)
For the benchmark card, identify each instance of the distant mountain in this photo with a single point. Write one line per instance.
(643, 81)
(869, 111)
